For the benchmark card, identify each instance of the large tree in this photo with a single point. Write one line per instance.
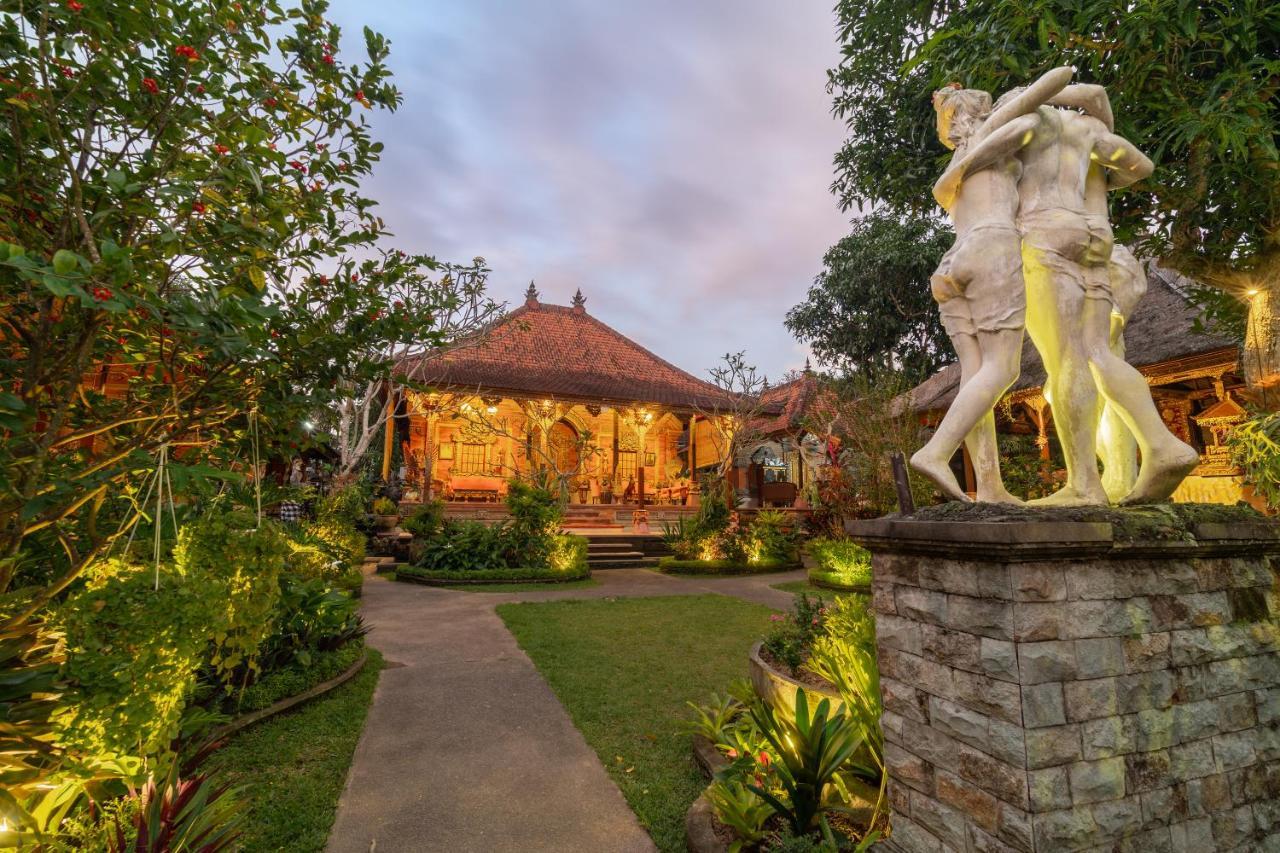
(185, 254)
(1193, 84)
(870, 308)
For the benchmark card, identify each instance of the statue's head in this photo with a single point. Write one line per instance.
(960, 111)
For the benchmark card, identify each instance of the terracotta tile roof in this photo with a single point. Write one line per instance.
(563, 352)
(785, 404)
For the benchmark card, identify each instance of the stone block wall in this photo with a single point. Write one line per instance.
(1105, 703)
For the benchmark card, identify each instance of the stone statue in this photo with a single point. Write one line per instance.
(1052, 145)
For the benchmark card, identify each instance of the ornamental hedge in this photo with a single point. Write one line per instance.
(677, 566)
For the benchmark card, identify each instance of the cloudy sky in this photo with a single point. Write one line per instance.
(671, 158)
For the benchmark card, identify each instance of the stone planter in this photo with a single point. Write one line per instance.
(386, 522)
(708, 757)
(779, 689)
(699, 829)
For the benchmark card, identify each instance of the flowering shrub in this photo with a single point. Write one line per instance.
(792, 634)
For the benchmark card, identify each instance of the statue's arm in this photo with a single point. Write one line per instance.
(1124, 163)
(1036, 95)
(1089, 97)
(1005, 142)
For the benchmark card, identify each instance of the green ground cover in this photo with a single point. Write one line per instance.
(624, 668)
(290, 769)
(800, 586)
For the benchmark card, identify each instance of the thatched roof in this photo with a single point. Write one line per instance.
(1160, 330)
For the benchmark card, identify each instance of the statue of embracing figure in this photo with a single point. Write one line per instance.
(1027, 193)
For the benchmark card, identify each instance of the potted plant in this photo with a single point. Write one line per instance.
(385, 513)
(606, 490)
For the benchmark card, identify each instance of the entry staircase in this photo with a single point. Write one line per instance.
(623, 552)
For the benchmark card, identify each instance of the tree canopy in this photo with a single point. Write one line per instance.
(1194, 85)
(870, 309)
(185, 254)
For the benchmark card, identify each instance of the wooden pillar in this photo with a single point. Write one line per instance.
(693, 455)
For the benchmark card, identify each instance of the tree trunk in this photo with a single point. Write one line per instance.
(1261, 357)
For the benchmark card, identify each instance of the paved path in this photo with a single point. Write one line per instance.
(466, 748)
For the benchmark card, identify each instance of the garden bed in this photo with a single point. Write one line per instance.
(429, 577)
(676, 566)
(307, 684)
(779, 689)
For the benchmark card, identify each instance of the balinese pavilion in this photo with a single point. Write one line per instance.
(554, 388)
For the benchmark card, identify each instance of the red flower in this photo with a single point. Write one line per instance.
(398, 304)
(359, 95)
(150, 84)
(274, 333)
(299, 165)
(764, 760)
(74, 6)
(67, 72)
(328, 60)
(355, 277)
(200, 89)
(197, 207)
(732, 753)
(376, 315)
(759, 781)
(122, 341)
(221, 149)
(342, 168)
(101, 294)
(187, 51)
(269, 102)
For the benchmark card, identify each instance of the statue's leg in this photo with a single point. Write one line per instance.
(1117, 448)
(1055, 304)
(931, 460)
(1165, 459)
(1000, 353)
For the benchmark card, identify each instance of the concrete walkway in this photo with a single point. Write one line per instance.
(466, 748)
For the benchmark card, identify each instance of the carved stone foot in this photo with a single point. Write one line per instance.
(939, 472)
(1160, 476)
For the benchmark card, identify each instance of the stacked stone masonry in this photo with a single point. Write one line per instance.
(1100, 704)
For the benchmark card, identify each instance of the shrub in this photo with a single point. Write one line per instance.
(345, 505)
(842, 561)
(326, 549)
(535, 518)
(385, 506)
(310, 617)
(568, 553)
(425, 520)
(238, 569)
(773, 537)
(793, 634)
(462, 546)
(297, 677)
(132, 655)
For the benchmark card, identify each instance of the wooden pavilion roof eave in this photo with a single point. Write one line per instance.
(574, 399)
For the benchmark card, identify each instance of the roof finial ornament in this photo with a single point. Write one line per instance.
(579, 302)
(807, 367)
(531, 295)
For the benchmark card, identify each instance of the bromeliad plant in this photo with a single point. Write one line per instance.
(810, 751)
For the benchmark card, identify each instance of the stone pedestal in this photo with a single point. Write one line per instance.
(1050, 687)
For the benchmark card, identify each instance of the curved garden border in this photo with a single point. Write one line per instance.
(699, 828)
(779, 689)
(292, 701)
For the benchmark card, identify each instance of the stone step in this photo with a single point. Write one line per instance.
(636, 561)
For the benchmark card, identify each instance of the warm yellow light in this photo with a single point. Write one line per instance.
(493, 410)
(1253, 291)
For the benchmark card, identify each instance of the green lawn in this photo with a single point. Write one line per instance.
(624, 669)
(291, 768)
(523, 587)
